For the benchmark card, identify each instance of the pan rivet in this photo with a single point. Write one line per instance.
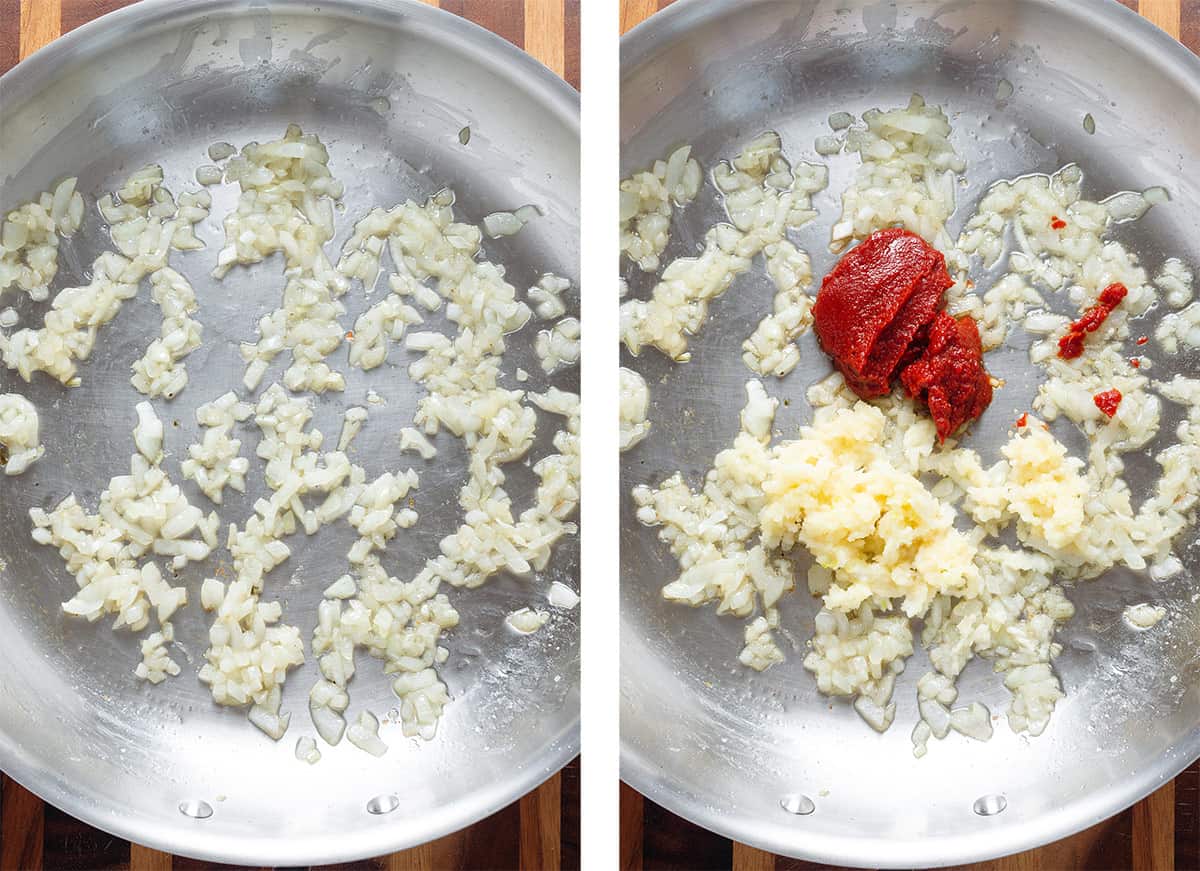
(383, 804)
(798, 804)
(990, 805)
(196, 809)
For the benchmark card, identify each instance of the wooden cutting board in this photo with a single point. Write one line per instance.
(541, 830)
(1159, 833)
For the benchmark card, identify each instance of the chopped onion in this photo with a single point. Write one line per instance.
(840, 120)
(974, 721)
(936, 715)
(208, 175)
(562, 596)
(330, 725)
(1126, 206)
(306, 750)
(527, 620)
(1156, 196)
(271, 724)
(365, 735)
(920, 738)
(675, 166)
(412, 439)
(500, 224)
(826, 145)
(877, 716)
(19, 427)
(148, 434)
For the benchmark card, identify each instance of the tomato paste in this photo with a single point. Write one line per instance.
(949, 376)
(878, 315)
(876, 302)
(1070, 346)
(1108, 401)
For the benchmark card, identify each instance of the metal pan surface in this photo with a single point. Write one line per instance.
(388, 86)
(736, 751)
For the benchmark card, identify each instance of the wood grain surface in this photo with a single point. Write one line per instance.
(541, 831)
(1159, 833)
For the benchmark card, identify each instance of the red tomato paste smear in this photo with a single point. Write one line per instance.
(876, 302)
(1070, 346)
(1057, 223)
(949, 376)
(1108, 401)
(878, 316)
(1023, 419)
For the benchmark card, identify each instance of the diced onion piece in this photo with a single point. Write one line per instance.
(306, 750)
(364, 734)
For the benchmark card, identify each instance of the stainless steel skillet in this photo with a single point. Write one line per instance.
(741, 753)
(388, 86)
